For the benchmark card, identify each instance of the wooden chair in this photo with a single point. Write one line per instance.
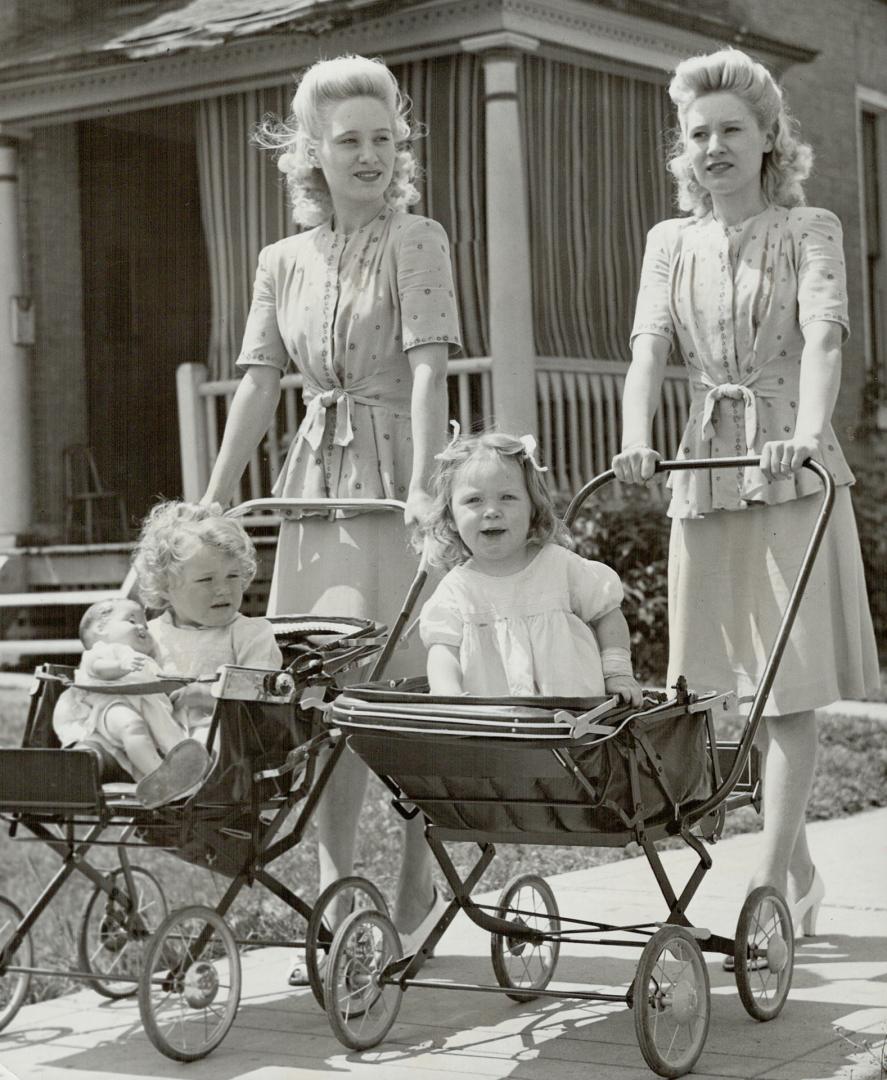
(83, 490)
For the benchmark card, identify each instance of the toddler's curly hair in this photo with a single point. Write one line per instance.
(172, 532)
(444, 545)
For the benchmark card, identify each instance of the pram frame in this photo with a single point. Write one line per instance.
(729, 792)
(100, 812)
(107, 812)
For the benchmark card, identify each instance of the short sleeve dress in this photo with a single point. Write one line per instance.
(201, 650)
(526, 633)
(345, 310)
(734, 300)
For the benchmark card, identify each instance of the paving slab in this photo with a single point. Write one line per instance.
(832, 1028)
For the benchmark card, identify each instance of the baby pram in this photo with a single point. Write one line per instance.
(273, 752)
(568, 771)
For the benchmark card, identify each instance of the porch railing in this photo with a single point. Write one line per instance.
(578, 408)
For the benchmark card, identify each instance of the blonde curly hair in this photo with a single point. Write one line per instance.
(172, 532)
(784, 168)
(443, 544)
(324, 84)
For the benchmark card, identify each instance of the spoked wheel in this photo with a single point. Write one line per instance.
(361, 1008)
(13, 984)
(346, 895)
(764, 953)
(190, 986)
(529, 903)
(114, 933)
(671, 1001)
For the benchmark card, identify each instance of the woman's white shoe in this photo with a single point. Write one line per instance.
(806, 910)
(412, 941)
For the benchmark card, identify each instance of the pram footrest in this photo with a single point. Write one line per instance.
(49, 781)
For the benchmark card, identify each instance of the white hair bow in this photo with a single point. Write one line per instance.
(529, 445)
(457, 431)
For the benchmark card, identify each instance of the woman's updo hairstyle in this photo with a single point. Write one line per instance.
(784, 168)
(323, 85)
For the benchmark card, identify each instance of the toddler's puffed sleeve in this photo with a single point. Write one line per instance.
(822, 279)
(595, 588)
(652, 313)
(262, 344)
(425, 286)
(255, 645)
(440, 622)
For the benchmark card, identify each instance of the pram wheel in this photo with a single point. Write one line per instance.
(671, 1001)
(190, 986)
(528, 902)
(353, 894)
(764, 931)
(14, 985)
(114, 933)
(361, 1007)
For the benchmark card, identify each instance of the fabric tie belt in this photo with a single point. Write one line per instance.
(314, 423)
(735, 391)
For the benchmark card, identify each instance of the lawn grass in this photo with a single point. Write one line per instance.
(852, 776)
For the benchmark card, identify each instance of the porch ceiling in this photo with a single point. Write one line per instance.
(121, 55)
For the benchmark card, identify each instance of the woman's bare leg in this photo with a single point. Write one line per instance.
(415, 888)
(337, 816)
(789, 765)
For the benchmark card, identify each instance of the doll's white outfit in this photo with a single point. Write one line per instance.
(80, 713)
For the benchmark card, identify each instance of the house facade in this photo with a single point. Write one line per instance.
(132, 209)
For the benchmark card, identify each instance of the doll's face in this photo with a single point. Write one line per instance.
(356, 152)
(126, 625)
(206, 589)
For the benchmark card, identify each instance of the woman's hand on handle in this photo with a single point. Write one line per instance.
(782, 457)
(636, 464)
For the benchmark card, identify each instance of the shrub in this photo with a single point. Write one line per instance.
(628, 530)
(870, 503)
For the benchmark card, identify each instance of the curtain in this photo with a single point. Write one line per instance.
(447, 96)
(243, 199)
(243, 206)
(597, 182)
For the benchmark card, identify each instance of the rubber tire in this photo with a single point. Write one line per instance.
(647, 1013)
(154, 960)
(500, 948)
(752, 983)
(100, 985)
(313, 949)
(350, 1029)
(18, 983)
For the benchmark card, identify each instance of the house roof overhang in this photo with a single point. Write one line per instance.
(137, 55)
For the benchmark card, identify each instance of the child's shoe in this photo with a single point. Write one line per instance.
(176, 776)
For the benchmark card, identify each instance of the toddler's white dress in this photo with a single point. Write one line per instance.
(525, 634)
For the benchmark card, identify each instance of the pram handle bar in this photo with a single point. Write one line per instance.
(287, 507)
(788, 616)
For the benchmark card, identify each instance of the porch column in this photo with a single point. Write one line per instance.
(512, 346)
(15, 435)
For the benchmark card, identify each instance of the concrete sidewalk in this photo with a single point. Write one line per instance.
(832, 1028)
